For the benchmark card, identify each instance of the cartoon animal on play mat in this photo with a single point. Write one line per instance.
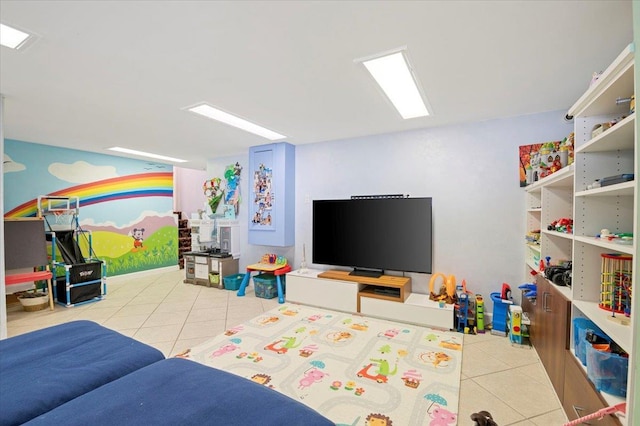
(311, 376)
(438, 359)
(137, 234)
(442, 417)
(223, 350)
(382, 371)
(289, 343)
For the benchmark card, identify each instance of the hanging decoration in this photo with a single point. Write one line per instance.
(232, 176)
(214, 192)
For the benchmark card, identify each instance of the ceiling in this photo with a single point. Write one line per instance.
(104, 73)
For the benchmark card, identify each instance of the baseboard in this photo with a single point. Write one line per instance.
(128, 277)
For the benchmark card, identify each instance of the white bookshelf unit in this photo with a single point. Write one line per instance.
(571, 193)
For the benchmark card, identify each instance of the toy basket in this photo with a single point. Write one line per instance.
(233, 282)
(266, 286)
(608, 371)
(580, 328)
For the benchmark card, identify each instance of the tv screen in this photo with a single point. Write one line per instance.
(376, 234)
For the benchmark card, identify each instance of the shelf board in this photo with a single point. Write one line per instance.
(622, 248)
(616, 81)
(619, 189)
(563, 178)
(534, 210)
(557, 234)
(621, 334)
(618, 137)
(532, 266)
(534, 247)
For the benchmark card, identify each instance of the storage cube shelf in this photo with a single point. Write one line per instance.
(570, 193)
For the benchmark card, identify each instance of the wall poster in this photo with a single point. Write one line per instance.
(262, 210)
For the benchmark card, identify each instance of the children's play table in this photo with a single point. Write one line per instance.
(277, 269)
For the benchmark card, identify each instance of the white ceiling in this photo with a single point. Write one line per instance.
(105, 73)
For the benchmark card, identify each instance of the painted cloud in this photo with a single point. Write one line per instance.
(81, 172)
(8, 165)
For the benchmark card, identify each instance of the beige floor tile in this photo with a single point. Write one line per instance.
(215, 314)
(161, 333)
(166, 318)
(473, 398)
(555, 417)
(177, 306)
(476, 362)
(130, 310)
(97, 315)
(194, 330)
(528, 397)
(126, 322)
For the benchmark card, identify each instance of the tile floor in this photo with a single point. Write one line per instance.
(162, 311)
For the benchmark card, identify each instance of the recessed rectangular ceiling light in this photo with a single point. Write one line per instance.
(11, 37)
(394, 76)
(146, 154)
(224, 117)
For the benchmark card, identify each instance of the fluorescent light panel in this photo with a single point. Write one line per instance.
(146, 154)
(394, 77)
(224, 117)
(11, 37)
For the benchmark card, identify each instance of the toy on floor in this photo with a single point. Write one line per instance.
(466, 310)
(447, 292)
(479, 313)
(483, 418)
(501, 302)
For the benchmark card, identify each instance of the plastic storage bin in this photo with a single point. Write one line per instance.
(580, 328)
(233, 282)
(607, 371)
(266, 286)
(499, 315)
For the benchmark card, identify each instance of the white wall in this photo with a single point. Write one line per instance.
(187, 190)
(471, 171)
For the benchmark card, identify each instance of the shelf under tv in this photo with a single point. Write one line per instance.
(386, 287)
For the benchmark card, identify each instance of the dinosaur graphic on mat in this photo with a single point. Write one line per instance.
(289, 343)
(382, 372)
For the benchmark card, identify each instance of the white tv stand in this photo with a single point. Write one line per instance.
(388, 297)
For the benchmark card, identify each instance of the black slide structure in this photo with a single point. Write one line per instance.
(82, 278)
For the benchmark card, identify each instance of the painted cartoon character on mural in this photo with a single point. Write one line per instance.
(137, 235)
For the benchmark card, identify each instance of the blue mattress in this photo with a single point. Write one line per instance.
(46, 368)
(181, 392)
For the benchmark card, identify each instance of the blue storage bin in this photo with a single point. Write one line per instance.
(499, 315)
(266, 286)
(580, 328)
(607, 371)
(233, 282)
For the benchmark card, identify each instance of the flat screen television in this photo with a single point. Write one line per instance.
(374, 234)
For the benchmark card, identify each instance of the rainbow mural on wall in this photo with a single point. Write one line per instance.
(157, 184)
